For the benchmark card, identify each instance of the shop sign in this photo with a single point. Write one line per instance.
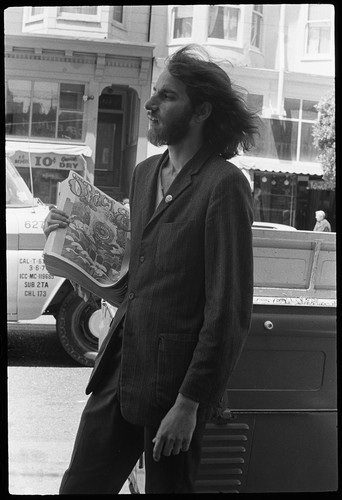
(48, 160)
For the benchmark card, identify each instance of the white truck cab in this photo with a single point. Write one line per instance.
(31, 290)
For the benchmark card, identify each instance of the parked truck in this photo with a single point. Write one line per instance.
(31, 290)
(279, 433)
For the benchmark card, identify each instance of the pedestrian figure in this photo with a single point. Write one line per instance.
(322, 224)
(162, 370)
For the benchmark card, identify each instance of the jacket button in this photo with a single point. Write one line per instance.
(168, 198)
(131, 295)
(142, 258)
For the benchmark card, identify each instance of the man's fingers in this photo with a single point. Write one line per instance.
(168, 447)
(185, 445)
(177, 447)
(158, 446)
(50, 228)
(54, 220)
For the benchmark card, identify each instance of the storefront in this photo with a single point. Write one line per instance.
(44, 165)
(76, 105)
(288, 192)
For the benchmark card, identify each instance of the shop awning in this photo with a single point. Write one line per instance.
(278, 166)
(47, 147)
(50, 156)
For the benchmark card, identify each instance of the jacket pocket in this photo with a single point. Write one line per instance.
(176, 247)
(175, 352)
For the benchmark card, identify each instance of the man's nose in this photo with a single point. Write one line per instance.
(151, 104)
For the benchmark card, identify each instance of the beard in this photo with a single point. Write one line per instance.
(173, 131)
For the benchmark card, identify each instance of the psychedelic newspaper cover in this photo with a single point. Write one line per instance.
(93, 250)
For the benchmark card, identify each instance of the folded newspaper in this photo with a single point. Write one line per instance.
(93, 250)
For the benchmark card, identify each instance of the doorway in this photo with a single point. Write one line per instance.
(109, 141)
(116, 141)
(108, 151)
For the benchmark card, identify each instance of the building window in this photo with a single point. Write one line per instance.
(118, 13)
(318, 29)
(289, 138)
(224, 22)
(182, 17)
(37, 11)
(70, 117)
(44, 109)
(256, 30)
(87, 11)
(255, 103)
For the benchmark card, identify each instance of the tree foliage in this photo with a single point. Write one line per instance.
(324, 136)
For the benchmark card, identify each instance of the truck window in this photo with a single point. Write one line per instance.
(17, 192)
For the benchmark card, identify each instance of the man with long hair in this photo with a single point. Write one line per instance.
(163, 368)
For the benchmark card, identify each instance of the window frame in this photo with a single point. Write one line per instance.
(119, 23)
(29, 18)
(39, 14)
(116, 24)
(56, 137)
(240, 29)
(299, 121)
(173, 39)
(72, 16)
(307, 22)
(260, 16)
(249, 97)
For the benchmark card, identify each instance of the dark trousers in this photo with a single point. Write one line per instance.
(107, 447)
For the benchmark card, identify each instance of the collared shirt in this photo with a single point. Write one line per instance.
(160, 191)
(160, 194)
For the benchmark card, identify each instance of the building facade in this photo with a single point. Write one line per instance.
(77, 78)
(282, 57)
(76, 82)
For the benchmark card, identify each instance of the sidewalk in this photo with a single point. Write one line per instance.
(50, 321)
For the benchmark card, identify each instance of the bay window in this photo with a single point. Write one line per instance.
(224, 22)
(318, 31)
(84, 10)
(37, 11)
(118, 13)
(256, 31)
(182, 17)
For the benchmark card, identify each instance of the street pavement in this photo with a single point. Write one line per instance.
(44, 408)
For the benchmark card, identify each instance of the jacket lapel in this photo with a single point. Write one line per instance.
(149, 188)
(181, 182)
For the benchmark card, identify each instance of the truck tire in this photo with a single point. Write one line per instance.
(74, 328)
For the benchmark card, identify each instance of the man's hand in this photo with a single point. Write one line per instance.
(176, 428)
(54, 219)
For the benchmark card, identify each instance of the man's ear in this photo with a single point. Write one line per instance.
(203, 111)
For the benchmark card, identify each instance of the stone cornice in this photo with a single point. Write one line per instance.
(49, 57)
(93, 47)
(101, 60)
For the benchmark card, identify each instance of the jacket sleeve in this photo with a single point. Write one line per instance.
(228, 289)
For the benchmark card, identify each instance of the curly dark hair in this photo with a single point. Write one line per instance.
(231, 125)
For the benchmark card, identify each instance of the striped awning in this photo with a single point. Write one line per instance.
(46, 147)
(278, 166)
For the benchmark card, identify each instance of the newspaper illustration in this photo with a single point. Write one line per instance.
(93, 250)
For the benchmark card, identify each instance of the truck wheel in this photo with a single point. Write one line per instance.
(76, 327)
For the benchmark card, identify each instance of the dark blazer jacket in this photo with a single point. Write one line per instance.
(190, 288)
